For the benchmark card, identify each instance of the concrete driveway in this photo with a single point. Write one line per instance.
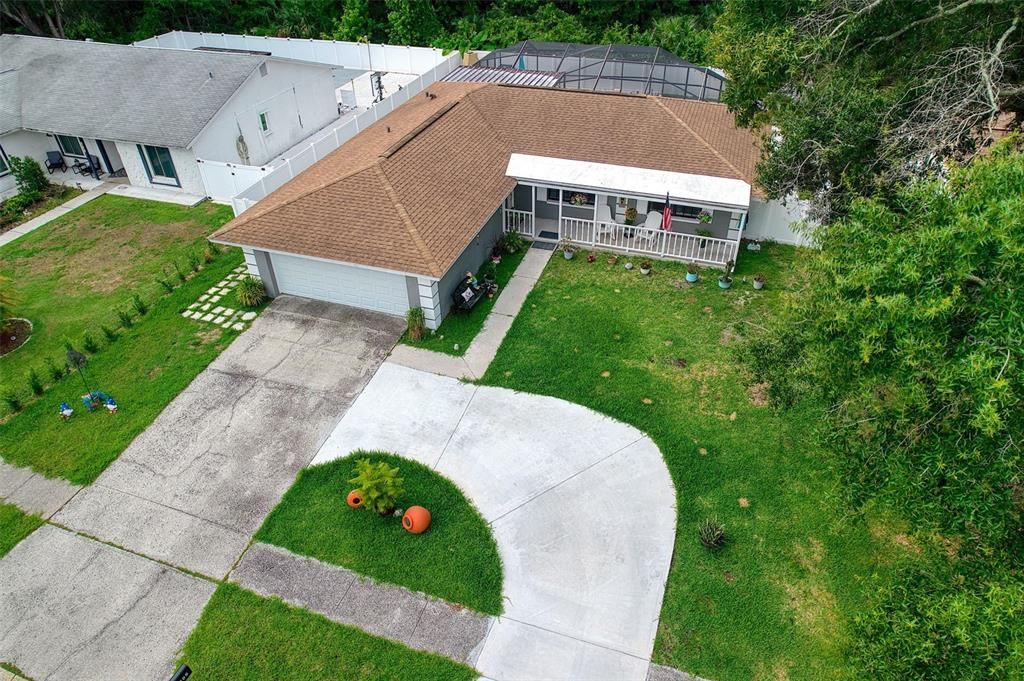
(194, 487)
(584, 562)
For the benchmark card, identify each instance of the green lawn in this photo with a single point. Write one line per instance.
(15, 526)
(74, 273)
(456, 559)
(244, 637)
(777, 601)
(461, 328)
(145, 367)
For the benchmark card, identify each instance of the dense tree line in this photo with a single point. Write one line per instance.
(909, 326)
(681, 26)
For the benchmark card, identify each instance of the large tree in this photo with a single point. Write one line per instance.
(856, 95)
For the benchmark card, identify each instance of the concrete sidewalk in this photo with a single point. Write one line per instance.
(51, 215)
(482, 350)
(32, 492)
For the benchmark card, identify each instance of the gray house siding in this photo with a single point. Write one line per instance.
(476, 253)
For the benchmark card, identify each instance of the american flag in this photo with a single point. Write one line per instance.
(666, 216)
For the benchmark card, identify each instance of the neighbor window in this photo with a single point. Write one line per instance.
(265, 123)
(678, 211)
(5, 167)
(159, 165)
(70, 146)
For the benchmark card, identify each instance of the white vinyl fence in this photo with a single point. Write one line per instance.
(329, 140)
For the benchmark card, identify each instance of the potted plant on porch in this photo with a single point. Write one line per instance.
(725, 281)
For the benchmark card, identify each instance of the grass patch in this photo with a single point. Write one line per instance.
(456, 559)
(75, 273)
(144, 369)
(15, 526)
(460, 328)
(778, 600)
(56, 195)
(244, 637)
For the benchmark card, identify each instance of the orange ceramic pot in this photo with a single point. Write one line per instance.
(355, 499)
(416, 520)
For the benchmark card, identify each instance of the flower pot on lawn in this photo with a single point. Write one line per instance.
(692, 277)
(416, 520)
(759, 281)
(354, 499)
(724, 282)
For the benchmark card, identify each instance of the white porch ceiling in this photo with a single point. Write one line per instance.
(702, 190)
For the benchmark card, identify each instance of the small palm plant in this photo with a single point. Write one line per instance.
(379, 484)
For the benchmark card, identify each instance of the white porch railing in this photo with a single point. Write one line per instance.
(520, 221)
(653, 242)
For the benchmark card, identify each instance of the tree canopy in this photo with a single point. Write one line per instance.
(862, 94)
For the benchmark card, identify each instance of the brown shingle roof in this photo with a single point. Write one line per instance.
(412, 190)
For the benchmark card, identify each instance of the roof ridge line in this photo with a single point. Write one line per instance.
(483, 116)
(701, 139)
(417, 238)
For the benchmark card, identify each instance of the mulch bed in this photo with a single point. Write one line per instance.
(16, 333)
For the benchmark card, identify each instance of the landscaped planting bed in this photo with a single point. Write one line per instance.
(460, 328)
(56, 195)
(244, 637)
(99, 280)
(455, 559)
(777, 599)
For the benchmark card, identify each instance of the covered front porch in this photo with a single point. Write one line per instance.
(621, 209)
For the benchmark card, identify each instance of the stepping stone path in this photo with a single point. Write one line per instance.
(207, 307)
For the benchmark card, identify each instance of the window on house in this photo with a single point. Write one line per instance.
(572, 198)
(265, 123)
(71, 146)
(5, 166)
(159, 165)
(678, 211)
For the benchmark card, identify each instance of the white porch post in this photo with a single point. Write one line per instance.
(532, 210)
(430, 302)
(561, 198)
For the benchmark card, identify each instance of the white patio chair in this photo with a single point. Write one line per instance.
(606, 227)
(651, 232)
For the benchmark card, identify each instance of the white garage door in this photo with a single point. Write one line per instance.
(338, 283)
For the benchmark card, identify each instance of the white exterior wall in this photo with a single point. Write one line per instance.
(299, 100)
(184, 164)
(771, 220)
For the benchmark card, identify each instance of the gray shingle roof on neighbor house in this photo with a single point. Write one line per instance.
(117, 92)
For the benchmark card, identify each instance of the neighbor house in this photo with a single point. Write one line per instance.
(395, 217)
(147, 114)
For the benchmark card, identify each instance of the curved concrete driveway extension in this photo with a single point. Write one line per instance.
(582, 508)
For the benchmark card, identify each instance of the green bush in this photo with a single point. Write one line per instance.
(194, 261)
(89, 343)
(379, 484)
(167, 286)
(56, 371)
(514, 242)
(12, 401)
(180, 273)
(139, 304)
(937, 624)
(108, 333)
(126, 318)
(29, 176)
(34, 382)
(250, 291)
(415, 323)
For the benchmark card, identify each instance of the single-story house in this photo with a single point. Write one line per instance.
(395, 217)
(147, 114)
